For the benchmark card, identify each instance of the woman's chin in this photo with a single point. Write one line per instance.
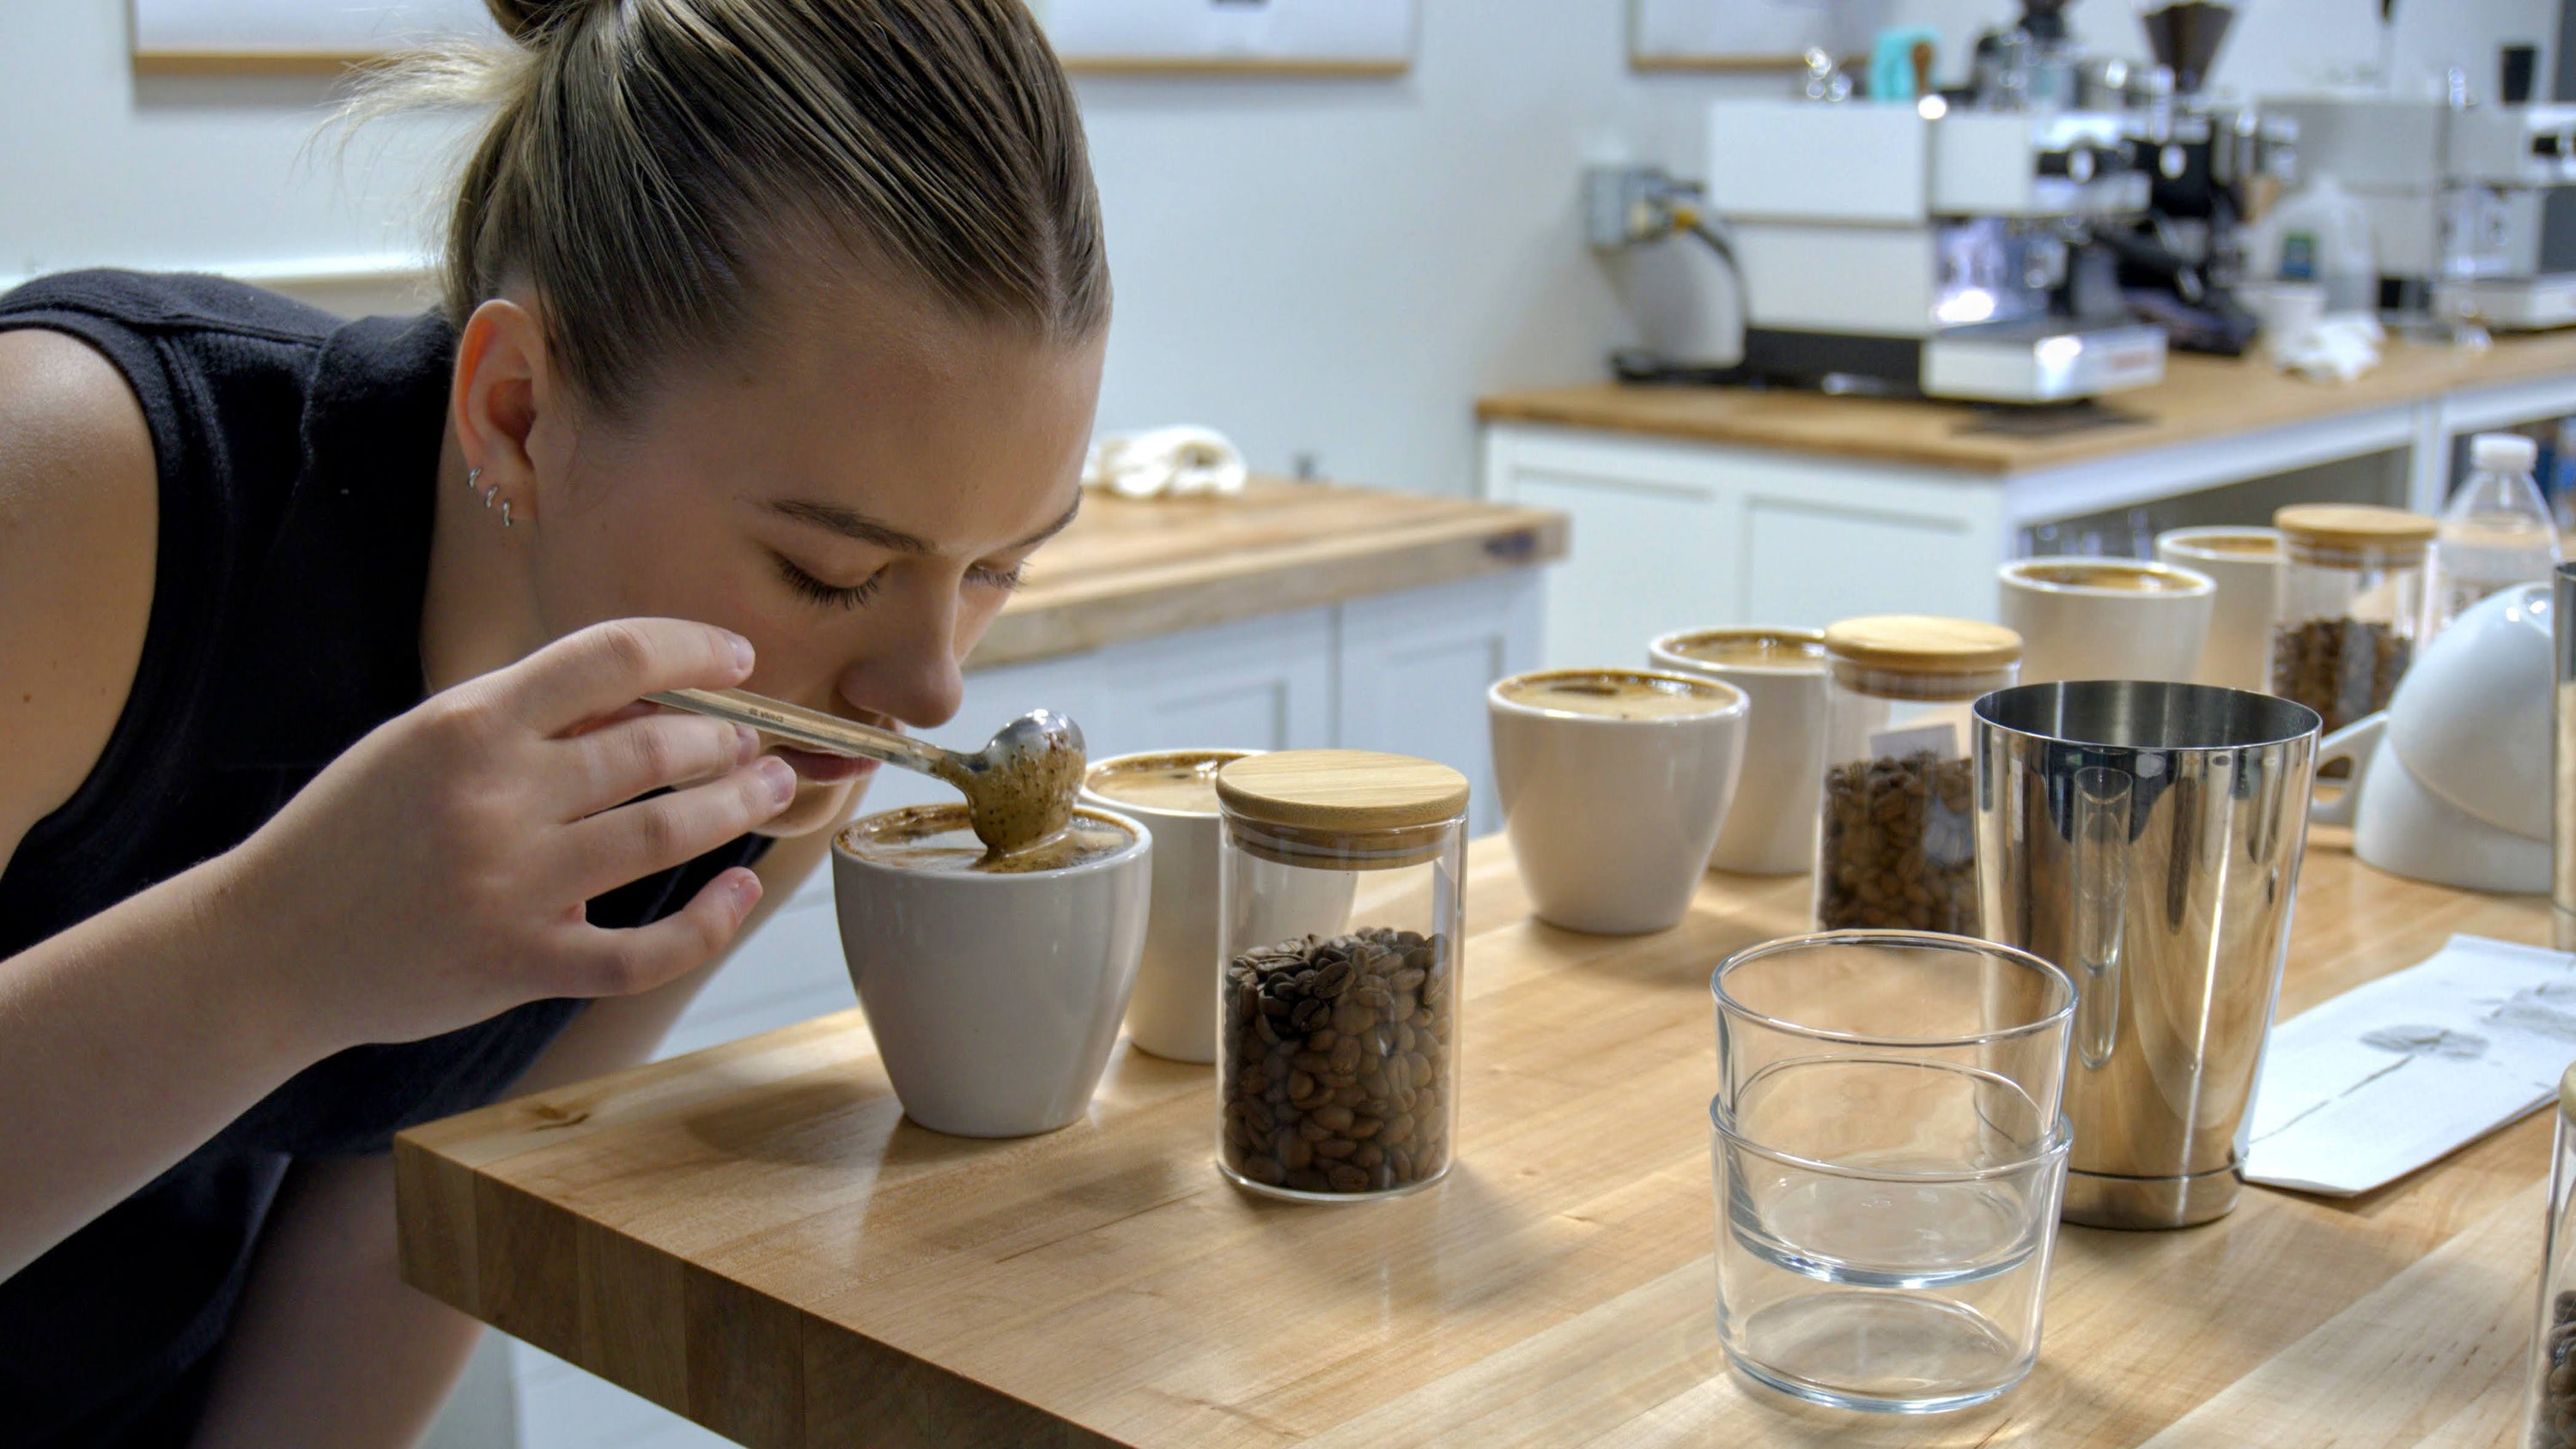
(817, 806)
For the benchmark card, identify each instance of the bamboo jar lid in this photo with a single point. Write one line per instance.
(1342, 790)
(1922, 644)
(2354, 527)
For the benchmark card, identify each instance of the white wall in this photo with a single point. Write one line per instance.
(1326, 267)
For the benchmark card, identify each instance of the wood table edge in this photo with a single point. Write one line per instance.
(1150, 603)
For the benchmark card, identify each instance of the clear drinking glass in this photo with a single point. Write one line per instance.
(1889, 1155)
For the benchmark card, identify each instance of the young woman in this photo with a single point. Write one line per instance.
(771, 339)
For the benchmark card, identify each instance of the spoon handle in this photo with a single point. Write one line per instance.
(808, 727)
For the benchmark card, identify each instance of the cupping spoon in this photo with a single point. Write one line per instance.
(1019, 788)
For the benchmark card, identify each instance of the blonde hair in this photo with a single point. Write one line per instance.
(647, 159)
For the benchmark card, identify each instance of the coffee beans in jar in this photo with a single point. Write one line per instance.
(2553, 1418)
(1334, 1059)
(1338, 1044)
(2343, 669)
(2347, 605)
(1896, 844)
(1899, 846)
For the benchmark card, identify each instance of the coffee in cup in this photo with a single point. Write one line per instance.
(1771, 828)
(994, 984)
(942, 838)
(1614, 784)
(2098, 618)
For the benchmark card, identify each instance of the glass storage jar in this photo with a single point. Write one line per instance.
(2347, 605)
(1896, 838)
(1337, 1028)
(2551, 1404)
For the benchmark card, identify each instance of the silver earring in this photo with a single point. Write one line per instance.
(473, 479)
(505, 513)
(488, 492)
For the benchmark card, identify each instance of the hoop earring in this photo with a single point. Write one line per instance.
(473, 480)
(505, 513)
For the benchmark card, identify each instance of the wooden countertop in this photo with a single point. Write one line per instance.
(2200, 397)
(1131, 569)
(753, 1237)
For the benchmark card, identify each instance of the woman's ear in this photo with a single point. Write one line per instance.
(502, 389)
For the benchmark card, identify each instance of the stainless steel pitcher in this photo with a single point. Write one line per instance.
(2147, 839)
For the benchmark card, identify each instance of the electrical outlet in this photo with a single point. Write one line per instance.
(1626, 206)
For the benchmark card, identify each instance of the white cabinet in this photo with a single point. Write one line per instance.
(1414, 668)
(1672, 535)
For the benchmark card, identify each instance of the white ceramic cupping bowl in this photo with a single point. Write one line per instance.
(2471, 719)
(1771, 827)
(2072, 629)
(995, 999)
(2451, 783)
(1611, 820)
(2245, 566)
(1173, 1010)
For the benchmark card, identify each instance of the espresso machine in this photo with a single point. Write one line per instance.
(1931, 248)
(2454, 190)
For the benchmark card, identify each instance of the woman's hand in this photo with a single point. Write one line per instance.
(435, 874)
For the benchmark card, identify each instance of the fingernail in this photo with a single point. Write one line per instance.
(746, 894)
(746, 744)
(780, 778)
(742, 655)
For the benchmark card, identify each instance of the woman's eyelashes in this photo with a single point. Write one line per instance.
(852, 596)
(815, 591)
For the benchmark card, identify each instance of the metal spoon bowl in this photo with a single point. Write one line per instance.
(1019, 788)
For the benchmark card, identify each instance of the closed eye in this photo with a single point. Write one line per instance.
(814, 590)
(992, 578)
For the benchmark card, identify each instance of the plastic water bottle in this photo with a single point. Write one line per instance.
(2495, 534)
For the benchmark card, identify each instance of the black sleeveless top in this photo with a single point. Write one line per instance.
(297, 457)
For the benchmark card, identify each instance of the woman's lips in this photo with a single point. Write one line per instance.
(821, 769)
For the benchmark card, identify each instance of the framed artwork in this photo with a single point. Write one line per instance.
(1345, 37)
(1746, 34)
(1313, 37)
(291, 35)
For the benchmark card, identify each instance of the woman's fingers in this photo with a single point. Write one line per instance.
(614, 764)
(632, 841)
(604, 668)
(616, 963)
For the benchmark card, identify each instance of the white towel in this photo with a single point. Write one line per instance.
(1173, 461)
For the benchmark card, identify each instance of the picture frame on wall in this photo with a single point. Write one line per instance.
(1288, 37)
(1747, 34)
(1344, 37)
(292, 35)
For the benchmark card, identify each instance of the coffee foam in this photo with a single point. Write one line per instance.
(2121, 578)
(1614, 694)
(1183, 782)
(940, 839)
(1752, 647)
(2239, 545)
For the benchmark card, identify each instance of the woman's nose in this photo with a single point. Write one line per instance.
(911, 671)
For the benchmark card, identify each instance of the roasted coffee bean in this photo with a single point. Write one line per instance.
(2341, 668)
(1330, 1048)
(2554, 1426)
(1898, 845)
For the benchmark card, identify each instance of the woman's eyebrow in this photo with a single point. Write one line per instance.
(851, 523)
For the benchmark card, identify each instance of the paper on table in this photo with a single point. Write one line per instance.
(2390, 1076)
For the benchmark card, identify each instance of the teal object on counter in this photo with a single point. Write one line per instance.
(1891, 61)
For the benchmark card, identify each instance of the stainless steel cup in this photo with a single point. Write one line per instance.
(2562, 761)
(2146, 838)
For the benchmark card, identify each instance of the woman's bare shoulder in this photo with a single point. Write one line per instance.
(79, 524)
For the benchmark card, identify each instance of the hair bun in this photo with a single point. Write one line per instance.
(529, 22)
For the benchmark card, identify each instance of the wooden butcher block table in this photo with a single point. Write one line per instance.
(753, 1237)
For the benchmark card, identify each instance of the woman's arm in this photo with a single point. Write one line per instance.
(430, 877)
(330, 1348)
